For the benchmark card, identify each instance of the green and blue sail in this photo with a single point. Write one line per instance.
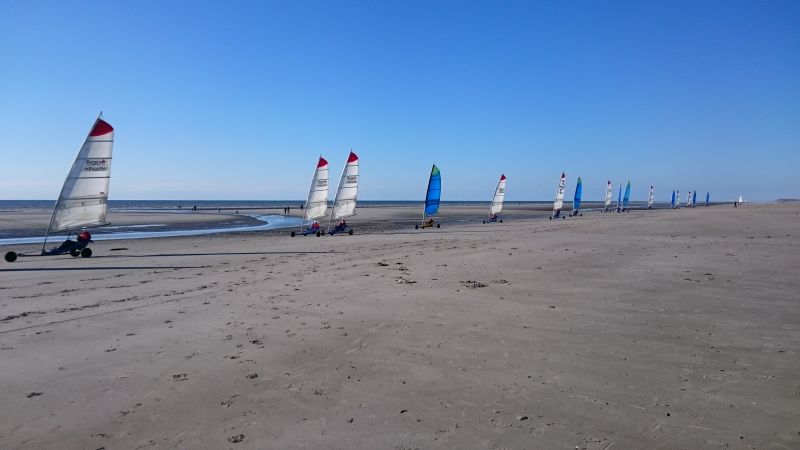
(434, 194)
(627, 196)
(576, 202)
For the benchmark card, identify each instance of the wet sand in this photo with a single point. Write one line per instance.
(663, 329)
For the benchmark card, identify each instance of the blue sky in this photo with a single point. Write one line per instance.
(235, 100)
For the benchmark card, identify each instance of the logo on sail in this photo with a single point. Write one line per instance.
(95, 165)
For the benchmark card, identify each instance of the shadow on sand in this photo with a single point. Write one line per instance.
(58, 269)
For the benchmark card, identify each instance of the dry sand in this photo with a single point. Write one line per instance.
(667, 329)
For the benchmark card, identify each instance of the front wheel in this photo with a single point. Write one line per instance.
(416, 227)
(501, 220)
(319, 234)
(438, 225)
(294, 234)
(75, 252)
(350, 232)
(11, 256)
(86, 252)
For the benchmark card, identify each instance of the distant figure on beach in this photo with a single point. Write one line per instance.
(301, 206)
(288, 210)
(194, 208)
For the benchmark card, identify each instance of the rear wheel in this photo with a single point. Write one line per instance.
(501, 220)
(319, 234)
(350, 232)
(438, 225)
(86, 252)
(75, 252)
(294, 234)
(11, 256)
(416, 227)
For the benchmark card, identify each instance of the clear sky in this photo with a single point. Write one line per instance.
(236, 99)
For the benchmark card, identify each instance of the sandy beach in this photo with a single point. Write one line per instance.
(662, 329)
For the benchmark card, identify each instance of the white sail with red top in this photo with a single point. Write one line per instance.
(344, 204)
(317, 202)
(499, 196)
(83, 201)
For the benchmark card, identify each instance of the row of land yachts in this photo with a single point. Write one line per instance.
(83, 202)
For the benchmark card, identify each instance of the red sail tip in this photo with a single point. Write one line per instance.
(100, 128)
(502, 177)
(321, 162)
(353, 157)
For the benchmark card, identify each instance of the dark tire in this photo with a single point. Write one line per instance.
(11, 256)
(350, 232)
(416, 227)
(75, 252)
(294, 234)
(581, 214)
(438, 225)
(484, 222)
(551, 218)
(323, 232)
(319, 234)
(86, 252)
(501, 220)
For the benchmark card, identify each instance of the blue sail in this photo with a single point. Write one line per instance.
(694, 198)
(434, 192)
(627, 195)
(708, 195)
(672, 202)
(576, 203)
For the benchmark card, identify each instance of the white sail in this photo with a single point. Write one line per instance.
(317, 203)
(83, 201)
(499, 196)
(652, 196)
(609, 190)
(344, 205)
(689, 199)
(677, 199)
(559, 203)
(740, 200)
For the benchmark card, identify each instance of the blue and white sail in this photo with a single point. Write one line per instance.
(672, 202)
(627, 196)
(576, 201)
(694, 199)
(651, 197)
(434, 193)
(708, 196)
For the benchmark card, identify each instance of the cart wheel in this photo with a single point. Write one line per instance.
(551, 218)
(86, 252)
(438, 225)
(319, 234)
(293, 234)
(11, 256)
(75, 252)
(350, 232)
(416, 227)
(501, 220)
(484, 222)
(565, 217)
